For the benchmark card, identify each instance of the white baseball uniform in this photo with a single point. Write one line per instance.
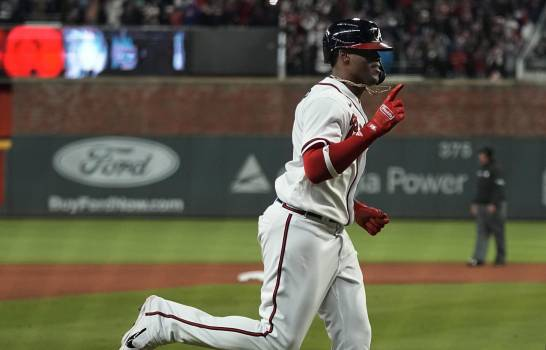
(310, 264)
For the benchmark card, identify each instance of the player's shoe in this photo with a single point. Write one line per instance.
(141, 335)
(474, 262)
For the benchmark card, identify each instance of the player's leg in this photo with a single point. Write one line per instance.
(482, 234)
(344, 309)
(498, 230)
(299, 264)
(310, 260)
(163, 321)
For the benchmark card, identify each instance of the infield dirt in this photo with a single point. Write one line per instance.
(22, 281)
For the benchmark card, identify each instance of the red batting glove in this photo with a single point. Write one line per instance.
(390, 113)
(369, 218)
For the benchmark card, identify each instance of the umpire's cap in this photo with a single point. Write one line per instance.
(488, 151)
(352, 33)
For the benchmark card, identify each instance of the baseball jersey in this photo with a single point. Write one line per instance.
(490, 185)
(329, 113)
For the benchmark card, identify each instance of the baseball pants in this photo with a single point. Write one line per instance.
(309, 268)
(490, 224)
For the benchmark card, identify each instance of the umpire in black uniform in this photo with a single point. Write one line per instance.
(489, 209)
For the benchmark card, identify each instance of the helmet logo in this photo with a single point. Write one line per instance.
(376, 33)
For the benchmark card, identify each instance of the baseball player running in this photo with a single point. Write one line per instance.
(310, 264)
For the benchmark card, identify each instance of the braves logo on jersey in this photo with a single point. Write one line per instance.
(354, 127)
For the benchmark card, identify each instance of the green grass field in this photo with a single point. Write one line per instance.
(128, 241)
(448, 316)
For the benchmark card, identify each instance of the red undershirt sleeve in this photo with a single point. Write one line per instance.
(325, 162)
(314, 165)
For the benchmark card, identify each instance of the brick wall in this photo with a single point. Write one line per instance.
(260, 106)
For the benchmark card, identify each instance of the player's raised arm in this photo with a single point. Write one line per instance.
(322, 163)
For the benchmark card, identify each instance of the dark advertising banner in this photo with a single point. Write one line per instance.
(227, 51)
(436, 177)
(234, 176)
(97, 175)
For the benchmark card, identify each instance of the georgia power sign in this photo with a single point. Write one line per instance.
(115, 162)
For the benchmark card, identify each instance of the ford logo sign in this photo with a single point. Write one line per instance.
(115, 162)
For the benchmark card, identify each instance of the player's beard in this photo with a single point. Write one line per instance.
(371, 75)
(371, 88)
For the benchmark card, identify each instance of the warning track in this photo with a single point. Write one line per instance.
(22, 281)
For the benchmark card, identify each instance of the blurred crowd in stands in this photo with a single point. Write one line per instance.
(141, 12)
(436, 38)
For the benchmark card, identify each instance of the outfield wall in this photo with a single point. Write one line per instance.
(206, 106)
(213, 147)
(234, 176)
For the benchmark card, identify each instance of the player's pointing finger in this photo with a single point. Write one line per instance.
(392, 94)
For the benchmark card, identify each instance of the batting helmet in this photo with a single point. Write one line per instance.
(355, 33)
